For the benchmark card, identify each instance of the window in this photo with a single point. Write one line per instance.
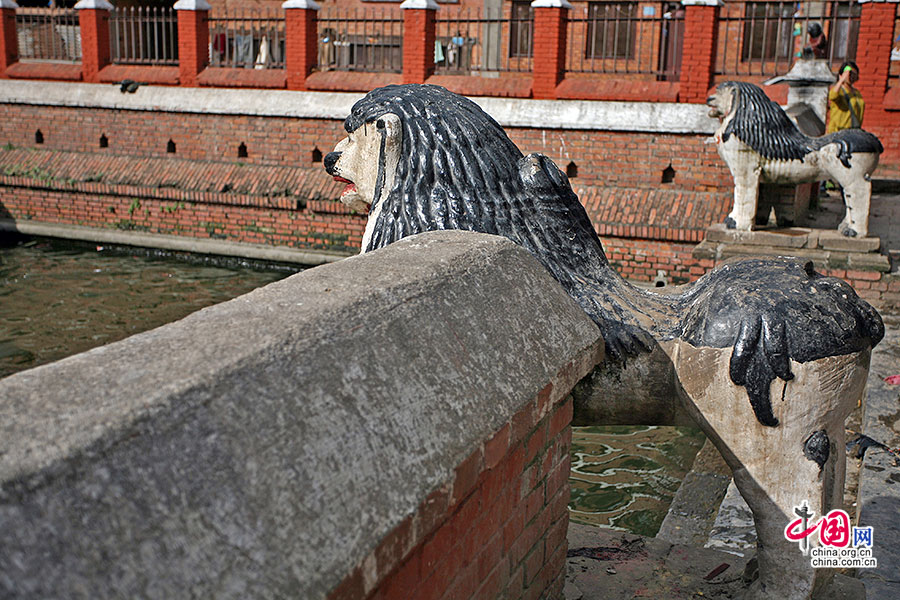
(844, 30)
(521, 29)
(610, 30)
(767, 30)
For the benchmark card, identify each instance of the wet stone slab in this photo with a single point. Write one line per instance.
(609, 565)
(879, 478)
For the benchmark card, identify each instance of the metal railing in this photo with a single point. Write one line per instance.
(247, 38)
(143, 35)
(48, 34)
(765, 38)
(477, 41)
(361, 39)
(626, 37)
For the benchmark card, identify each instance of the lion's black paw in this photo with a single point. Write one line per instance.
(625, 340)
(847, 231)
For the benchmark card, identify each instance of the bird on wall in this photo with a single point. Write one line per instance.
(129, 85)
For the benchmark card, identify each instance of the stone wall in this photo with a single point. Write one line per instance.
(393, 422)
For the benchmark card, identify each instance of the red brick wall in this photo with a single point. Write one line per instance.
(418, 44)
(630, 159)
(269, 140)
(698, 52)
(876, 30)
(549, 50)
(318, 226)
(94, 42)
(623, 159)
(498, 529)
(642, 259)
(193, 44)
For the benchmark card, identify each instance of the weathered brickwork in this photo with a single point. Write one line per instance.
(497, 530)
(306, 229)
(628, 159)
(643, 259)
(268, 140)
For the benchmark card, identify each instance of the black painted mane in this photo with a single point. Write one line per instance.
(461, 163)
(761, 124)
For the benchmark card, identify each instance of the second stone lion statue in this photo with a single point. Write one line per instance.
(420, 158)
(760, 143)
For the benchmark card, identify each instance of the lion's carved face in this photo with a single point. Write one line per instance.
(720, 103)
(366, 160)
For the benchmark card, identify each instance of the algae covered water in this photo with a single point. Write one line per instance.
(58, 298)
(626, 477)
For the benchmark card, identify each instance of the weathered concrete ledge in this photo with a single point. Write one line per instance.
(172, 242)
(663, 117)
(265, 446)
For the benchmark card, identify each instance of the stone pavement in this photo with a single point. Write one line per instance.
(606, 564)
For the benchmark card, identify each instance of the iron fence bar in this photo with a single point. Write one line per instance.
(766, 43)
(48, 34)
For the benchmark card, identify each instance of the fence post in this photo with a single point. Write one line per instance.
(93, 19)
(193, 39)
(873, 51)
(549, 46)
(301, 41)
(418, 39)
(698, 58)
(9, 45)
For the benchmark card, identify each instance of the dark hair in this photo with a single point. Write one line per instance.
(848, 63)
(814, 29)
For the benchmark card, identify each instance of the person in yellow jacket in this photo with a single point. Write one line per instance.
(845, 103)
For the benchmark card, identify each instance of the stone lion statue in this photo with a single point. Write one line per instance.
(419, 158)
(760, 143)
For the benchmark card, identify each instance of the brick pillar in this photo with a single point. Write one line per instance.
(9, 46)
(93, 18)
(873, 51)
(701, 32)
(418, 39)
(549, 61)
(301, 43)
(193, 39)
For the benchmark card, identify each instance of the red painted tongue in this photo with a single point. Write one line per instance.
(351, 187)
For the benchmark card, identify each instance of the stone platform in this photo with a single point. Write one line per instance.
(828, 249)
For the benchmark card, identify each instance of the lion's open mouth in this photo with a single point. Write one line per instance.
(350, 196)
(351, 187)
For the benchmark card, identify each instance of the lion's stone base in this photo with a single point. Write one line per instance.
(826, 248)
